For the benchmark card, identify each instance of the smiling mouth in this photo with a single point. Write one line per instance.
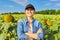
(29, 13)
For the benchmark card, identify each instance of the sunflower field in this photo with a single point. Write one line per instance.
(50, 25)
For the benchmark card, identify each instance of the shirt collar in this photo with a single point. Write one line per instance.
(32, 20)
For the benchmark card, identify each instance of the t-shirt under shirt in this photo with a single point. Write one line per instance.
(31, 31)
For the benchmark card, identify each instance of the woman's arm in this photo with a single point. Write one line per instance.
(20, 31)
(34, 35)
(39, 33)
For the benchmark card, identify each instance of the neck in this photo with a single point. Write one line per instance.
(30, 19)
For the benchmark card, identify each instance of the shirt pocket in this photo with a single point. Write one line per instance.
(25, 29)
(35, 29)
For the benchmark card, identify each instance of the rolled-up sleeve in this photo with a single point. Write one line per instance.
(40, 35)
(20, 31)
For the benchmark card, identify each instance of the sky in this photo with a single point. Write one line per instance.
(19, 5)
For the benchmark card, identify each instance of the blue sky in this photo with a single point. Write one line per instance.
(19, 5)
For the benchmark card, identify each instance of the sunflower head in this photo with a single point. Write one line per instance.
(43, 21)
(49, 23)
(8, 18)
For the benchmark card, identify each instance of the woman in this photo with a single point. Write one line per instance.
(29, 28)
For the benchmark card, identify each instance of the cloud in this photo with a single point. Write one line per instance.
(10, 6)
(6, 8)
(54, 0)
(22, 2)
(57, 4)
(2, 11)
(47, 4)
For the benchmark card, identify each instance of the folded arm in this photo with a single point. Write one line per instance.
(20, 31)
(35, 35)
(39, 33)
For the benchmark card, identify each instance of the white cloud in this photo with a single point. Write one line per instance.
(2, 11)
(47, 4)
(54, 0)
(10, 6)
(22, 2)
(57, 4)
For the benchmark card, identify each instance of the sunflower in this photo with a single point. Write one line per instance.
(49, 23)
(43, 21)
(8, 18)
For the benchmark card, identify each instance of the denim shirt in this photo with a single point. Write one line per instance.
(22, 28)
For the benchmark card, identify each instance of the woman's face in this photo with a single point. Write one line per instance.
(29, 12)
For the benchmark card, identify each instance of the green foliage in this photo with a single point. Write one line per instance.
(50, 12)
(8, 31)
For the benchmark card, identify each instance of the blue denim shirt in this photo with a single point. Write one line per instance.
(22, 28)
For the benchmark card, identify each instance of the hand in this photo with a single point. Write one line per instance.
(29, 36)
(32, 35)
(39, 31)
(28, 33)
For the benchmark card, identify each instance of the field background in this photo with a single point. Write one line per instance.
(8, 30)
